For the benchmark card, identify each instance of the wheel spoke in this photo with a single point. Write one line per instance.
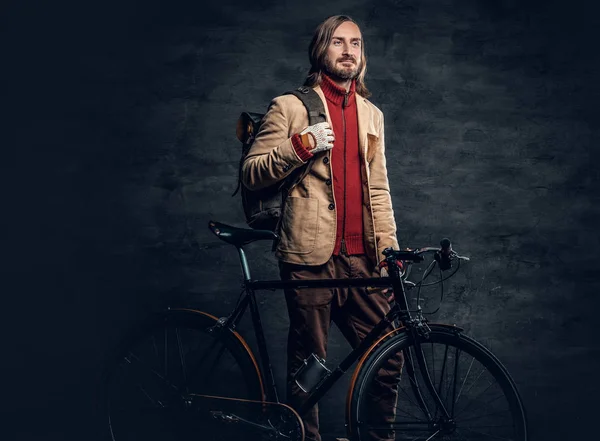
(205, 355)
(411, 400)
(156, 403)
(408, 397)
(498, 412)
(489, 435)
(131, 356)
(182, 358)
(464, 381)
(417, 389)
(474, 399)
(396, 425)
(440, 385)
(166, 352)
(456, 358)
(432, 436)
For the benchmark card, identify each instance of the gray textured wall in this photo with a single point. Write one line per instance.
(124, 122)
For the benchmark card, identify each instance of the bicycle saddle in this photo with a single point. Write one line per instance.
(239, 236)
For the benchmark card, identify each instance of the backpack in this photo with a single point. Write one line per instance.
(263, 208)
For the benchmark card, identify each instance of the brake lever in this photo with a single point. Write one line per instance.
(408, 284)
(455, 254)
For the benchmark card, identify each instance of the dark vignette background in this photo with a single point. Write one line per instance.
(121, 122)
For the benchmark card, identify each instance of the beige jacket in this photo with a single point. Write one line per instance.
(308, 226)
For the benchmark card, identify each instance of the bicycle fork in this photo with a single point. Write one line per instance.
(445, 423)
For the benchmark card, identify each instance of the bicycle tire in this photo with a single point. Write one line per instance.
(162, 370)
(476, 389)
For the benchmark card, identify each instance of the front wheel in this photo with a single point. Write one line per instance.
(479, 399)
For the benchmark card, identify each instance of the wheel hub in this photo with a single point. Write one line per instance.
(445, 426)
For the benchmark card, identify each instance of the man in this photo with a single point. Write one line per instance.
(339, 219)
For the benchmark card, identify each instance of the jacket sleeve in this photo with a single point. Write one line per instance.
(381, 200)
(272, 156)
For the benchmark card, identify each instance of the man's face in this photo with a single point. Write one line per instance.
(343, 58)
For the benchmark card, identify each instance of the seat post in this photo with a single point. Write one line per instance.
(244, 262)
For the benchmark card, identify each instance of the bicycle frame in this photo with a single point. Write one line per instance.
(397, 384)
(399, 311)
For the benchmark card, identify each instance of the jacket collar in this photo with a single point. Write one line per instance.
(365, 119)
(335, 93)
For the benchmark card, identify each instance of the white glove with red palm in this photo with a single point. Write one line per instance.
(318, 137)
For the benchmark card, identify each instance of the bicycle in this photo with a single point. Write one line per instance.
(191, 375)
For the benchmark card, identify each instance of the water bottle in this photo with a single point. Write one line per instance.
(311, 373)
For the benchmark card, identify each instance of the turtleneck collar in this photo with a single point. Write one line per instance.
(335, 93)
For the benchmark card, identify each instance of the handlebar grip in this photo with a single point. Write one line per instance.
(407, 255)
(445, 244)
(443, 255)
(388, 251)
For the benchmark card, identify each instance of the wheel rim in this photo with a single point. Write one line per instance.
(480, 400)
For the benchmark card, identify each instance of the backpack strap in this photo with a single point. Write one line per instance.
(316, 114)
(248, 125)
(313, 103)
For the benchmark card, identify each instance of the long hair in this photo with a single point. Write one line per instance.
(318, 50)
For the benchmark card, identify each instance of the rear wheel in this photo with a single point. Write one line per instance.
(477, 392)
(157, 380)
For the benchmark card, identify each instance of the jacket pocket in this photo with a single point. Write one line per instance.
(372, 146)
(299, 225)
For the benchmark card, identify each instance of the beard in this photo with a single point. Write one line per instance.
(332, 69)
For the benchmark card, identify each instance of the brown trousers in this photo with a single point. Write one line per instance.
(354, 312)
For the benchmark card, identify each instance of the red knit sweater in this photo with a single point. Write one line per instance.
(345, 166)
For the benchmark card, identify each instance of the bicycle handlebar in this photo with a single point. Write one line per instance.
(443, 255)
